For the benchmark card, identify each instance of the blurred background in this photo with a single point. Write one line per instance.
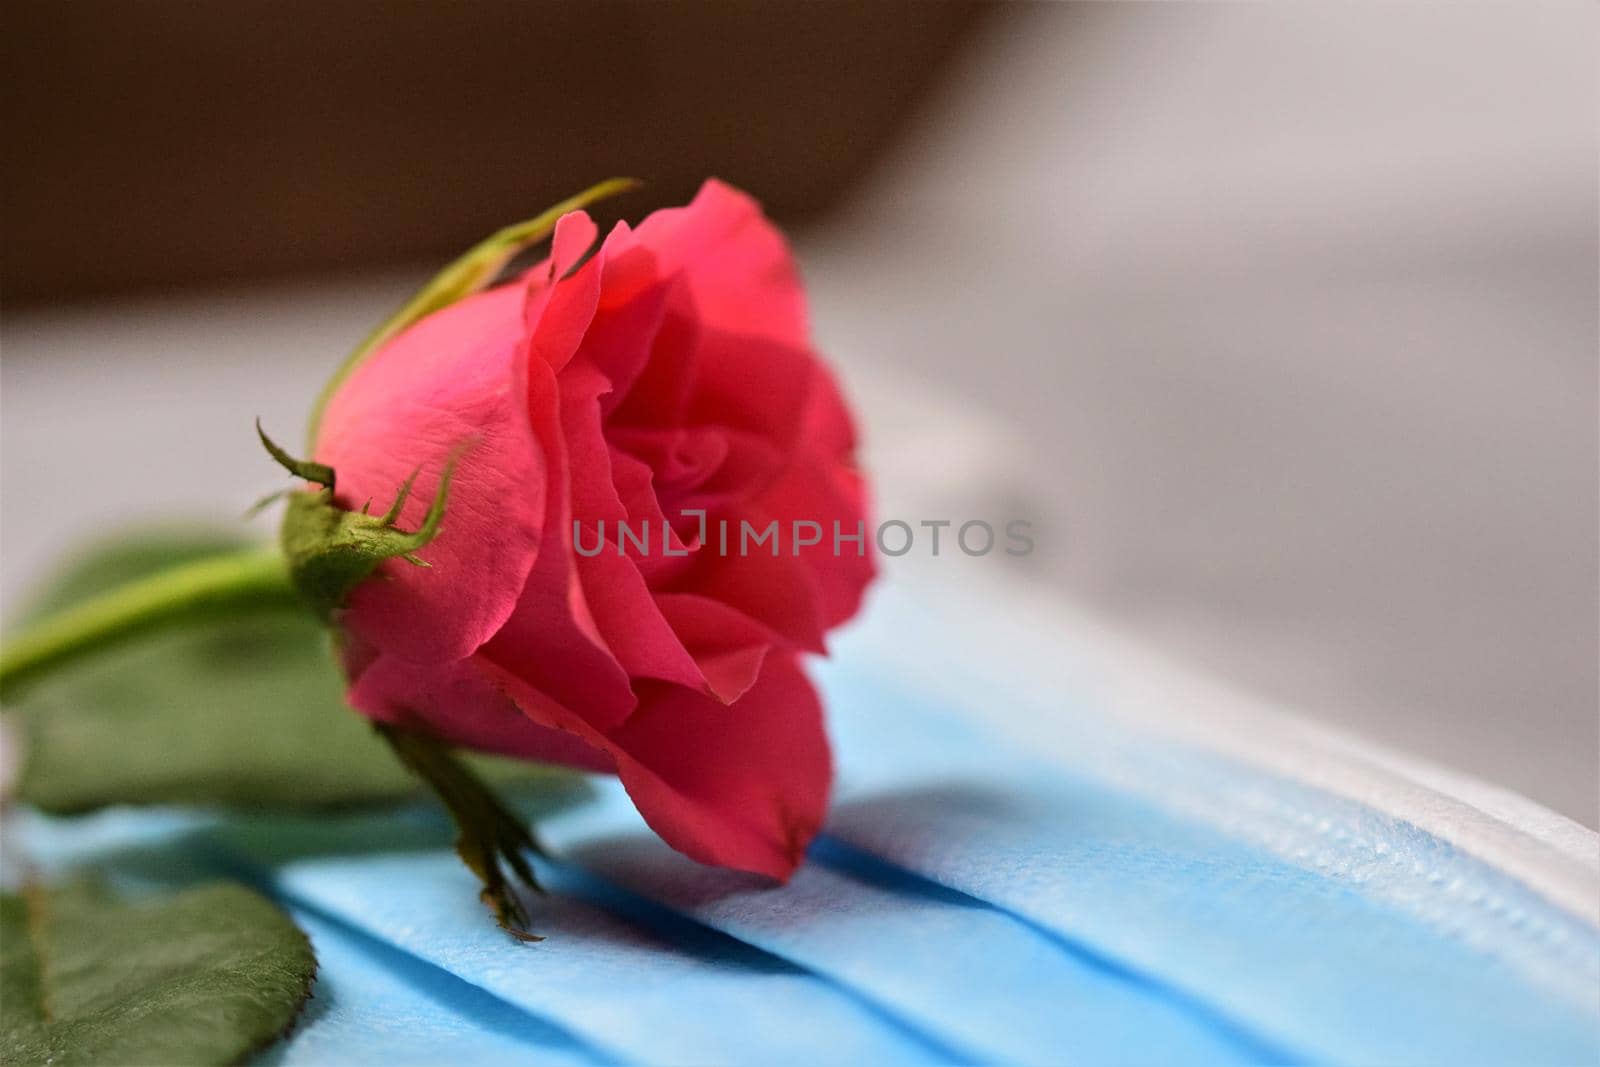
(1280, 322)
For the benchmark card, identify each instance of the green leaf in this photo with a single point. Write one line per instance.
(204, 976)
(246, 712)
(476, 269)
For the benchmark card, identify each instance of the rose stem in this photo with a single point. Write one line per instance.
(219, 586)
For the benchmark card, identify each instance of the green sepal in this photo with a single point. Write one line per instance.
(320, 473)
(331, 550)
(487, 834)
(475, 270)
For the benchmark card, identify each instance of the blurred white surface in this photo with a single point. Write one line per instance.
(1280, 322)
(1293, 312)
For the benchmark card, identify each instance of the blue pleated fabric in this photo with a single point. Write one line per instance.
(969, 903)
(375, 1003)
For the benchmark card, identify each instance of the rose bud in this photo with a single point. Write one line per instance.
(655, 396)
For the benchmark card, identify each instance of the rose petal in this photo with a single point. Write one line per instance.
(659, 394)
(775, 590)
(551, 637)
(727, 645)
(821, 485)
(742, 785)
(738, 266)
(749, 383)
(633, 303)
(457, 702)
(625, 615)
(630, 620)
(444, 383)
(741, 290)
(560, 302)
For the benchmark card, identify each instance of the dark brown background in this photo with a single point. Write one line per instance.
(160, 144)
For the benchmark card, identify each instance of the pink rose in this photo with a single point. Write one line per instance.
(669, 373)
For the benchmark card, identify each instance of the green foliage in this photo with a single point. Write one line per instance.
(244, 712)
(204, 976)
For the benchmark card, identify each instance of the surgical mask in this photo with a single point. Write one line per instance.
(1030, 859)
